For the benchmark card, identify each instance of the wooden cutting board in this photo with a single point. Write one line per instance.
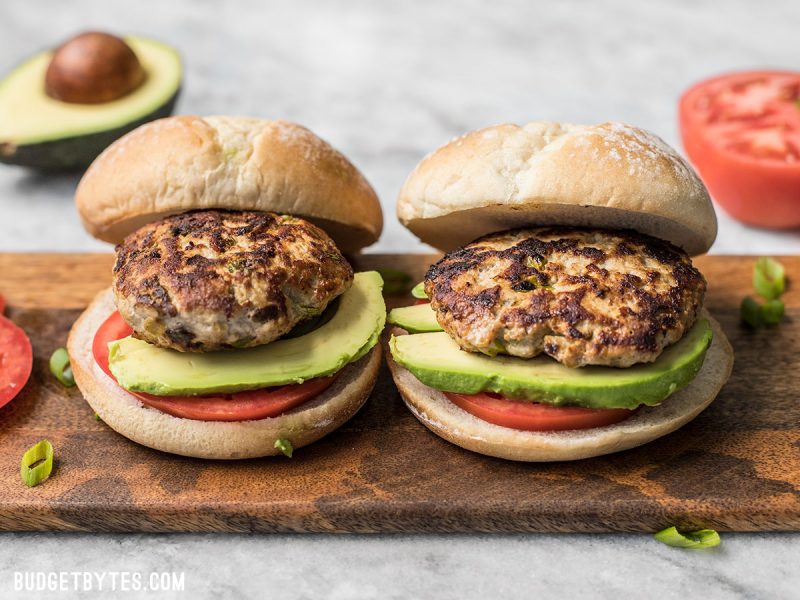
(736, 467)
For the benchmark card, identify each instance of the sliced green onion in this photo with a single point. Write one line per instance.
(772, 312)
(395, 281)
(284, 446)
(757, 315)
(750, 311)
(97, 418)
(704, 538)
(60, 367)
(769, 278)
(418, 291)
(37, 463)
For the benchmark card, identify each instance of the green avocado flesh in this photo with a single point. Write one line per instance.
(418, 291)
(38, 131)
(346, 337)
(415, 319)
(437, 361)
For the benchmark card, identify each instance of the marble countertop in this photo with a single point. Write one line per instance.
(386, 83)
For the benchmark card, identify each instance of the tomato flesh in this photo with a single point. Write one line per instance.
(240, 406)
(16, 360)
(742, 133)
(535, 416)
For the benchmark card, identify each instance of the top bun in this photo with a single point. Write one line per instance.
(191, 163)
(607, 176)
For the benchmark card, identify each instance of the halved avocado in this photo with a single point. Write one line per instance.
(40, 132)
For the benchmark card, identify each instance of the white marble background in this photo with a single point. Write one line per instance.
(386, 82)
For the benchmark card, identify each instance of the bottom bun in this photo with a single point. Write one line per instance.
(211, 439)
(455, 425)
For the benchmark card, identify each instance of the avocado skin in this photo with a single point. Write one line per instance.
(345, 338)
(419, 318)
(437, 361)
(77, 152)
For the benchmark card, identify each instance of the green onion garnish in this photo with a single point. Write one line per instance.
(704, 538)
(37, 463)
(769, 278)
(284, 446)
(395, 281)
(60, 367)
(97, 418)
(772, 312)
(750, 311)
(418, 291)
(757, 315)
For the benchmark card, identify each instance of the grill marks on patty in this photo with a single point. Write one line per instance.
(209, 280)
(582, 296)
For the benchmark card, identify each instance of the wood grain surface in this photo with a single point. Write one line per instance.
(736, 467)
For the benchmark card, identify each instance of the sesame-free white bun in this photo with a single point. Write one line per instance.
(186, 163)
(455, 425)
(610, 175)
(211, 439)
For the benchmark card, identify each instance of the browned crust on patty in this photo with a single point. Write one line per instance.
(209, 280)
(582, 296)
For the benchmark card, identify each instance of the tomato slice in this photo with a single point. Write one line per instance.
(535, 416)
(113, 328)
(16, 360)
(241, 406)
(742, 133)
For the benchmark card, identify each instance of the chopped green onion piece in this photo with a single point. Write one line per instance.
(97, 418)
(395, 281)
(284, 446)
(769, 278)
(772, 312)
(418, 291)
(750, 312)
(60, 367)
(757, 315)
(37, 463)
(704, 538)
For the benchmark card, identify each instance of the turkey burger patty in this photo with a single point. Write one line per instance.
(215, 279)
(581, 296)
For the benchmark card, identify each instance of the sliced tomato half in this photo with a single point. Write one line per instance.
(241, 406)
(16, 360)
(535, 416)
(742, 133)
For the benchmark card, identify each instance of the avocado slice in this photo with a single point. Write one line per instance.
(40, 132)
(415, 319)
(346, 337)
(418, 291)
(437, 361)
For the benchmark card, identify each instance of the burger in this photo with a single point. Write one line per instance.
(234, 326)
(566, 318)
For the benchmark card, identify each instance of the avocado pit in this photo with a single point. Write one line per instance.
(93, 68)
